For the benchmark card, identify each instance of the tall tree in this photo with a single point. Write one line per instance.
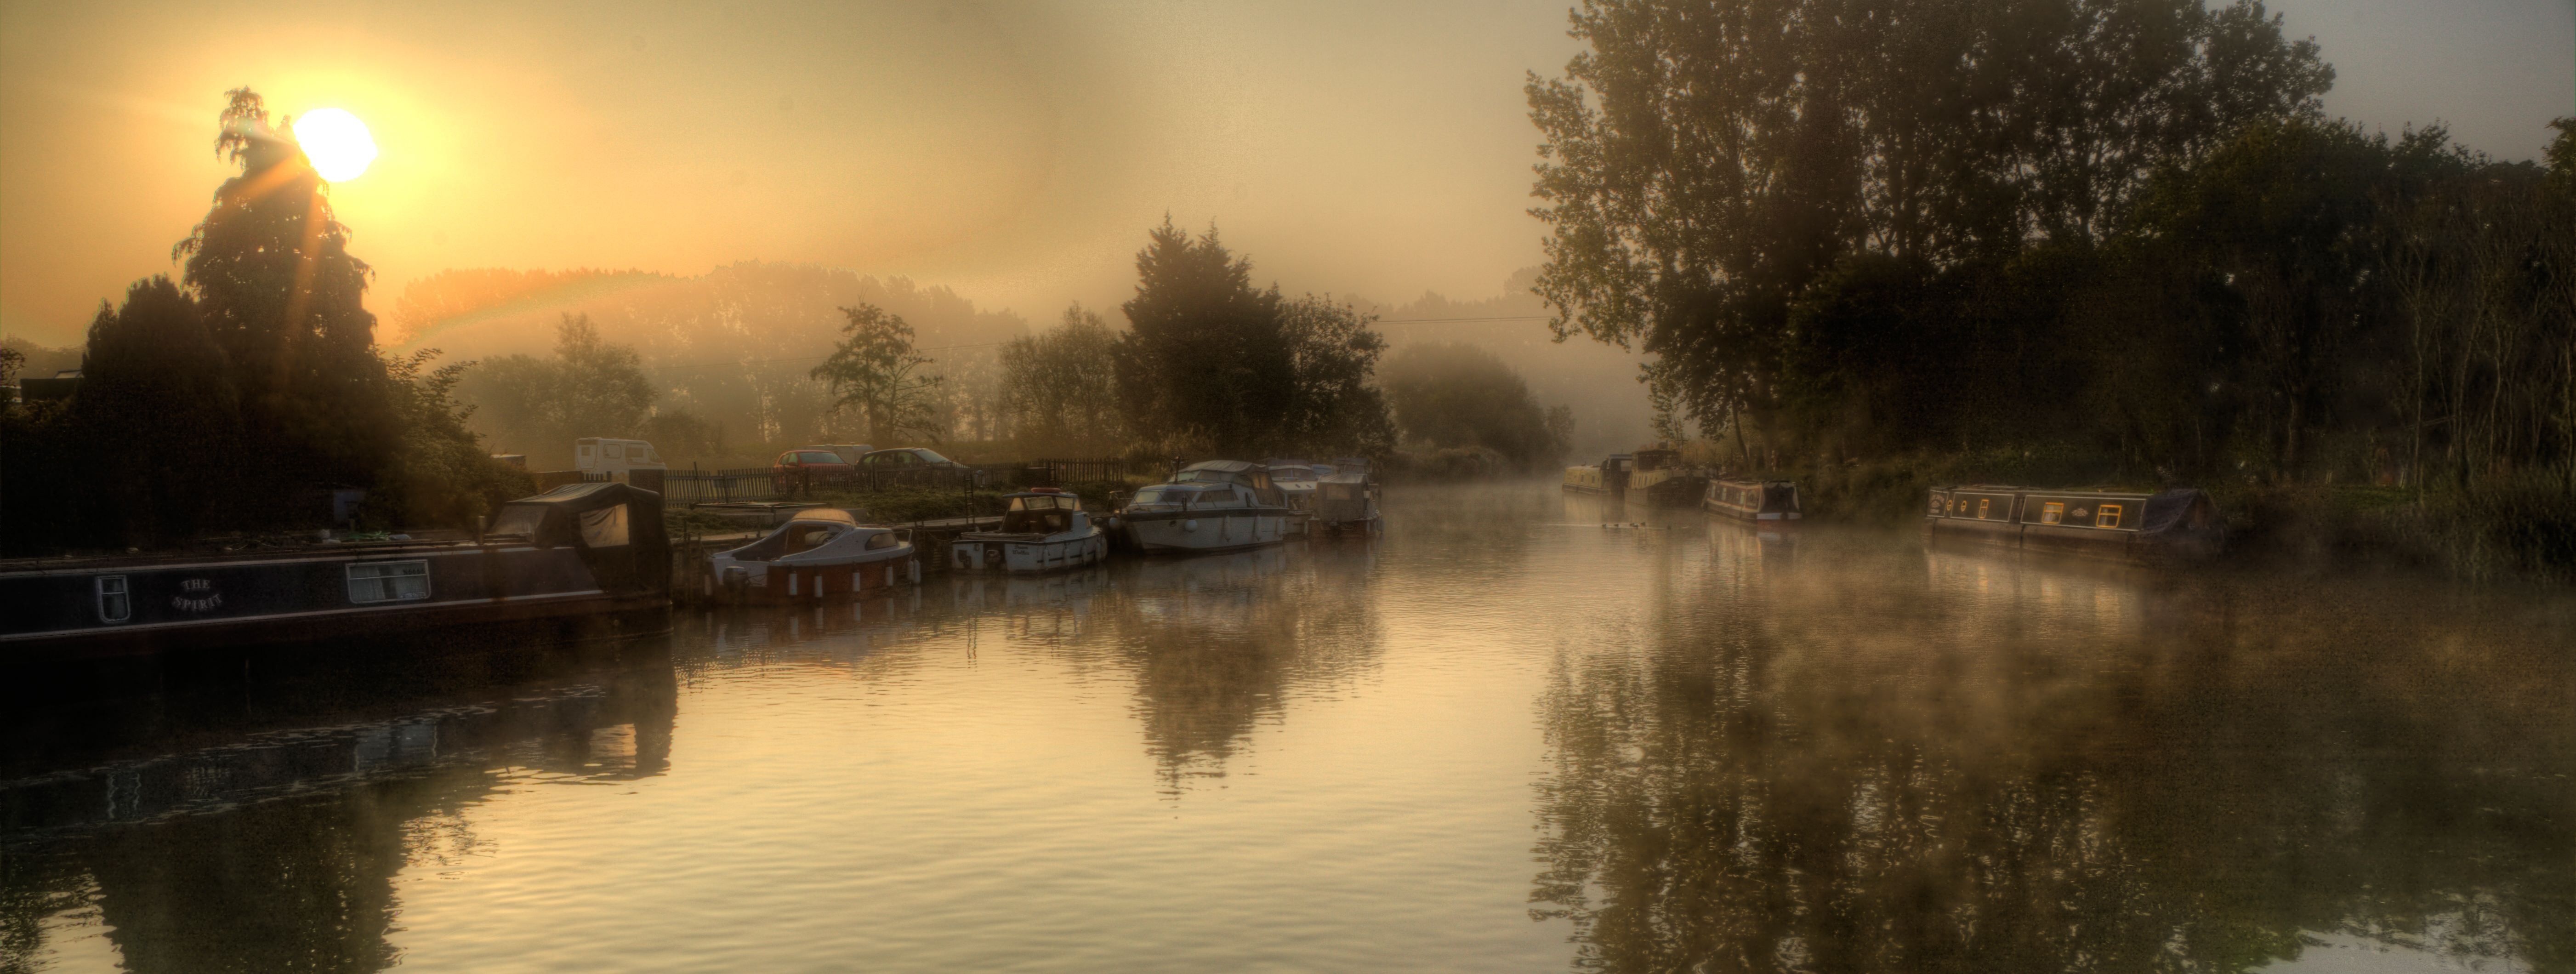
(1706, 161)
(157, 399)
(875, 371)
(272, 275)
(1211, 362)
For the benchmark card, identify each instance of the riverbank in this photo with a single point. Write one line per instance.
(2521, 529)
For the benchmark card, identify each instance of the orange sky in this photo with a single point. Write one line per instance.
(1014, 152)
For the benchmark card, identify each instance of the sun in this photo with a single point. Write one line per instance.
(337, 143)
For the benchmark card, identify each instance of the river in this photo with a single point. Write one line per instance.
(1501, 737)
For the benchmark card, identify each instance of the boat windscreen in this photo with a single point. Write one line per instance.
(519, 519)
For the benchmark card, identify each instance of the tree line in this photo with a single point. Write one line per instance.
(240, 395)
(1848, 228)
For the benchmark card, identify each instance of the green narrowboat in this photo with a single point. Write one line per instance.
(1753, 500)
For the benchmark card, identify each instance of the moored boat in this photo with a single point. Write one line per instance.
(1662, 480)
(1753, 500)
(1296, 480)
(2181, 524)
(1608, 478)
(1219, 505)
(821, 552)
(1346, 503)
(1043, 530)
(578, 550)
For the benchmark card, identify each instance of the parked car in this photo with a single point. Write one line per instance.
(914, 464)
(848, 452)
(808, 467)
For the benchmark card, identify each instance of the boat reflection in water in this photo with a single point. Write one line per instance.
(272, 843)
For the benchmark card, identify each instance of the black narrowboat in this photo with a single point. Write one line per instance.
(578, 550)
(2182, 524)
(1753, 500)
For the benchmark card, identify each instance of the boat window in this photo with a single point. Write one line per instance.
(114, 603)
(2054, 512)
(2109, 517)
(604, 528)
(1983, 505)
(1217, 498)
(882, 540)
(390, 581)
(807, 537)
(634, 453)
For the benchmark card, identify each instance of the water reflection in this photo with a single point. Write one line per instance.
(272, 846)
(2010, 767)
(1215, 643)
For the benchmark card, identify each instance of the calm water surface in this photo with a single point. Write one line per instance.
(1501, 737)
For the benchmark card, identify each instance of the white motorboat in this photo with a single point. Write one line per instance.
(822, 551)
(1295, 480)
(1043, 530)
(1219, 505)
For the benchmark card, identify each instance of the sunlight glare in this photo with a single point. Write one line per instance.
(336, 141)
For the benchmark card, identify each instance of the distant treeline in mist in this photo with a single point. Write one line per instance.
(2124, 228)
(727, 368)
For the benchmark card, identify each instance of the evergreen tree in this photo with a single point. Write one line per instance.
(271, 273)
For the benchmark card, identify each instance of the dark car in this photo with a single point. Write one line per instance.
(809, 468)
(914, 464)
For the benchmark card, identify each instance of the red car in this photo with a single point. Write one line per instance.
(805, 469)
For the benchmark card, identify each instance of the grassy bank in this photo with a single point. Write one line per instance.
(2516, 529)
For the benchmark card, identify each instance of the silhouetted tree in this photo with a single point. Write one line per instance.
(271, 274)
(1212, 363)
(158, 407)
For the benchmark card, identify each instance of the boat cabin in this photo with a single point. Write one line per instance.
(1754, 500)
(1042, 512)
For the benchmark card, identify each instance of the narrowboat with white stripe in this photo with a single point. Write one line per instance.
(1043, 530)
(823, 552)
(2176, 525)
(1753, 500)
(1220, 505)
(578, 550)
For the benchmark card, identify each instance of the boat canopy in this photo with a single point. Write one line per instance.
(617, 528)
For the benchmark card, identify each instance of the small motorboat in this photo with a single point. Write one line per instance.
(822, 551)
(1044, 530)
(1219, 505)
(1296, 480)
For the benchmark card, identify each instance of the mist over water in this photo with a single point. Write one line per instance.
(1501, 737)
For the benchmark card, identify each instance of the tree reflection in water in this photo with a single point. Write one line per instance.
(2032, 768)
(1215, 643)
(271, 843)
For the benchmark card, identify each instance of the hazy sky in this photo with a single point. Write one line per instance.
(1015, 153)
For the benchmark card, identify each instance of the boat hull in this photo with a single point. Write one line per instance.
(1207, 531)
(172, 605)
(1027, 556)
